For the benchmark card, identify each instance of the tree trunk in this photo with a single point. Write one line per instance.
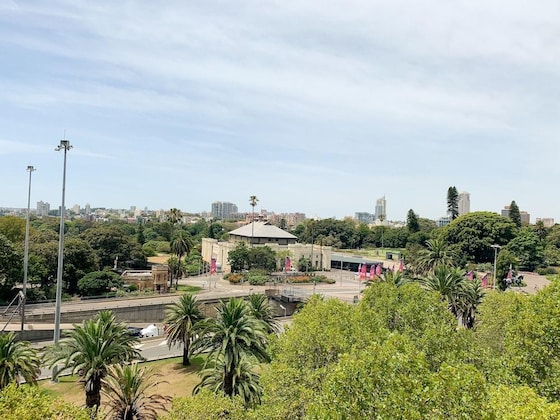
(228, 383)
(186, 360)
(93, 396)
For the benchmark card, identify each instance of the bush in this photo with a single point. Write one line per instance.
(234, 278)
(29, 403)
(98, 282)
(544, 271)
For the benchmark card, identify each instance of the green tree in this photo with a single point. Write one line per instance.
(28, 402)
(472, 235)
(436, 254)
(97, 283)
(453, 202)
(261, 309)
(131, 392)
(504, 262)
(528, 249)
(207, 405)
(182, 245)
(140, 237)
(10, 267)
(514, 214)
(262, 257)
(245, 382)
(17, 361)
(233, 335)
(238, 258)
(181, 321)
(511, 402)
(90, 348)
(412, 221)
(13, 228)
(449, 283)
(110, 241)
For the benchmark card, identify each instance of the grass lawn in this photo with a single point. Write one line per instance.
(180, 381)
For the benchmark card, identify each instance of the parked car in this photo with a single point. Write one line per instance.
(135, 331)
(150, 331)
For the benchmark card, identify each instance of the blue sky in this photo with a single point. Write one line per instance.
(313, 106)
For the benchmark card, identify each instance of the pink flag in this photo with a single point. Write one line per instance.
(212, 265)
(470, 275)
(401, 266)
(510, 273)
(378, 269)
(372, 272)
(363, 271)
(288, 266)
(485, 280)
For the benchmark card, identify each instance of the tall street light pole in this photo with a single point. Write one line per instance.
(496, 247)
(30, 169)
(64, 145)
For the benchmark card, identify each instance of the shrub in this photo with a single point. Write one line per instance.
(544, 271)
(234, 278)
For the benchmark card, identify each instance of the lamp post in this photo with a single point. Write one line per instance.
(64, 145)
(496, 247)
(30, 169)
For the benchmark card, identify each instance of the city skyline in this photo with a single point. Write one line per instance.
(314, 107)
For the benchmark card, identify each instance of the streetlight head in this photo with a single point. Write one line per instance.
(30, 168)
(64, 144)
(495, 246)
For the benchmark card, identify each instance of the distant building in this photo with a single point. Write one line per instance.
(464, 203)
(381, 208)
(88, 209)
(364, 217)
(264, 234)
(547, 221)
(43, 209)
(525, 217)
(155, 279)
(443, 221)
(223, 210)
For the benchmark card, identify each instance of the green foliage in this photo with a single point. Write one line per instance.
(258, 257)
(504, 262)
(30, 403)
(131, 392)
(238, 258)
(207, 405)
(527, 247)
(10, 267)
(514, 214)
(381, 381)
(234, 337)
(90, 348)
(153, 247)
(17, 361)
(97, 283)
(110, 241)
(13, 228)
(412, 221)
(521, 402)
(473, 234)
(261, 309)
(452, 202)
(181, 324)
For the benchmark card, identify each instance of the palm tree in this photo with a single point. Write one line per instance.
(128, 388)
(182, 245)
(174, 215)
(17, 361)
(233, 335)
(467, 301)
(90, 348)
(245, 381)
(437, 254)
(260, 309)
(253, 201)
(181, 319)
(449, 283)
(395, 277)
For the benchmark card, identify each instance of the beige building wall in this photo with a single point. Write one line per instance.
(322, 255)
